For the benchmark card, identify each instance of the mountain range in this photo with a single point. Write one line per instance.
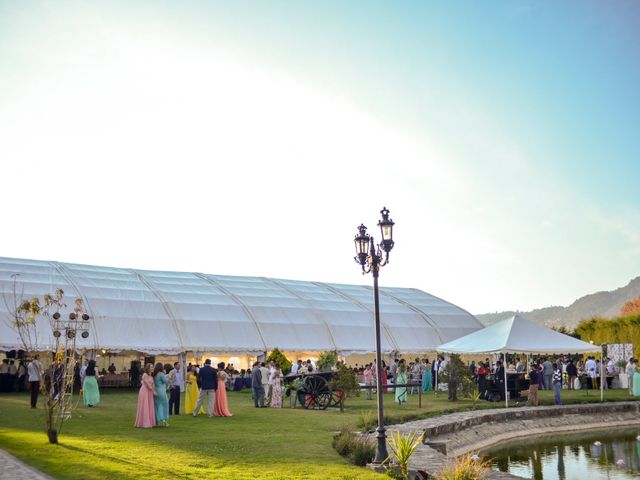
(599, 304)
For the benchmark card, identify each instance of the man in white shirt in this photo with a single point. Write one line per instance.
(295, 367)
(176, 387)
(590, 367)
(35, 372)
(265, 383)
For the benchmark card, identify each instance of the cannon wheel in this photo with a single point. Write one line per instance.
(318, 394)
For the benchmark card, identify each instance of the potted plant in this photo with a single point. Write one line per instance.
(326, 361)
(295, 390)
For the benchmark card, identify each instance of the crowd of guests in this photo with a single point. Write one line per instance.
(13, 377)
(162, 385)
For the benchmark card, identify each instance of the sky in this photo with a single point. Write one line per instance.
(252, 138)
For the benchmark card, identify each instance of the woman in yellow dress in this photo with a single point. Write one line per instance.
(191, 392)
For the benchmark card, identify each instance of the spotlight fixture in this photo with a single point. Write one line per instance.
(71, 333)
(85, 317)
(56, 315)
(85, 334)
(72, 316)
(56, 333)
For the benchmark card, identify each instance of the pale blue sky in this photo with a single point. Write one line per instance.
(503, 137)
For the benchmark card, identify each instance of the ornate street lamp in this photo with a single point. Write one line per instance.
(371, 259)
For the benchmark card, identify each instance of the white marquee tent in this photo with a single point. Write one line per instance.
(516, 335)
(173, 312)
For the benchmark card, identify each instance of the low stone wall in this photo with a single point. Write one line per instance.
(455, 434)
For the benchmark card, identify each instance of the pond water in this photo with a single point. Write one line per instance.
(602, 454)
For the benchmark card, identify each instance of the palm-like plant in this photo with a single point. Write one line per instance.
(402, 447)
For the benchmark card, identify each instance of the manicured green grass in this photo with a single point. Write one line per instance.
(101, 443)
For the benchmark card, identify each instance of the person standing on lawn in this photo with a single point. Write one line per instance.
(176, 387)
(35, 371)
(146, 412)
(208, 377)
(256, 386)
(160, 400)
(556, 380)
(534, 375)
(90, 388)
(221, 405)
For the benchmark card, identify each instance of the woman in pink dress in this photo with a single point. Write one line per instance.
(146, 413)
(222, 407)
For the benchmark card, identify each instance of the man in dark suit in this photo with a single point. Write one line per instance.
(208, 380)
(256, 386)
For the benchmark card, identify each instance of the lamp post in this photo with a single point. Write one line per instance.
(371, 259)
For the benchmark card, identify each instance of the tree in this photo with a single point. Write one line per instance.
(283, 362)
(632, 307)
(344, 383)
(24, 318)
(458, 377)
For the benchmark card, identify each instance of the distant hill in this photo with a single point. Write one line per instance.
(600, 304)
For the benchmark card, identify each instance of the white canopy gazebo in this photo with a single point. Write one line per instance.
(516, 335)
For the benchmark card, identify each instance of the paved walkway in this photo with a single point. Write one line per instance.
(12, 469)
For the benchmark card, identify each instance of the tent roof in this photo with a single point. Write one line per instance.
(517, 335)
(171, 312)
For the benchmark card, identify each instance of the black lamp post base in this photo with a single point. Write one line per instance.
(381, 448)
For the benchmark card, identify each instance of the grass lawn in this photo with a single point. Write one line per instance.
(101, 443)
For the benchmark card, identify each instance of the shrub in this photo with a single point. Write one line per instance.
(366, 421)
(358, 449)
(467, 467)
(283, 362)
(344, 384)
(363, 452)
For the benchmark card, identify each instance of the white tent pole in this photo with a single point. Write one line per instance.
(504, 369)
(602, 367)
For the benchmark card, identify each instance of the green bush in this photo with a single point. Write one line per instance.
(615, 330)
(283, 362)
(344, 441)
(357, 449)
(363, 452)
(366, 421)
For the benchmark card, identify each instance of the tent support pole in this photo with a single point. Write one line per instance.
(504, 368)
(602, 367)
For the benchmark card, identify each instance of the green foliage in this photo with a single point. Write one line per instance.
(474, 396)
(358, 449)
(366, 421)
(283, 362)
(344, 384)
(294, 386)
(402, 448)
(467, 467)
(364, 452)
(458, 378)
(327, 360)
(616, 330)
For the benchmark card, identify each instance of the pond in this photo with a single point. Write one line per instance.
(607, 454)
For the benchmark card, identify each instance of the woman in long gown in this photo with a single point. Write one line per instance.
(427, 378)
(90, 389)
(401, 392)
(636, 382)
(222, 407)
(191, 392)
(146, 412)
(276, 389)
(160, 401)
(384, 376)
